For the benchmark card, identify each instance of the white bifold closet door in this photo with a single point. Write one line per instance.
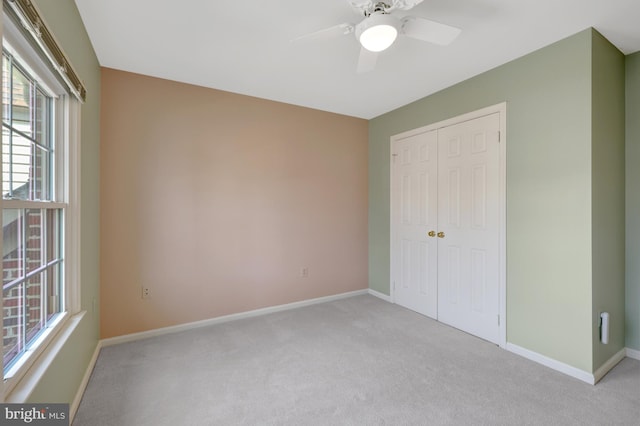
(445, 224)
(415, 214)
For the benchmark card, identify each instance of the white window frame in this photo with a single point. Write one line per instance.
(24, 375)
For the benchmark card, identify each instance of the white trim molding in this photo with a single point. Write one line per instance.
(633, 353)
(233, 317)
(552, 363)
(567, 369)
(70, 176)
(73, 408)
(607, 366)
(380, 295)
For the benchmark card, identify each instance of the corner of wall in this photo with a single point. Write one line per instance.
(632, 225)
(608, 196)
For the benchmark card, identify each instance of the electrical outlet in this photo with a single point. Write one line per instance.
(304, 272)
(146, 293)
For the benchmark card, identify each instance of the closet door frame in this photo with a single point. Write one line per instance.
(500, 108)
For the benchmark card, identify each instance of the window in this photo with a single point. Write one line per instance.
(32, 281)
(40, 202)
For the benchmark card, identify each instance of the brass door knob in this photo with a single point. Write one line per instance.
(432, 233)
(441, 234)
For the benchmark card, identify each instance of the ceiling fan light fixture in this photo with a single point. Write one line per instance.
(377, 32)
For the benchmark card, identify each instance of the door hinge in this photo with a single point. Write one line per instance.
(393, 156)
(498, 319)
(499, 136)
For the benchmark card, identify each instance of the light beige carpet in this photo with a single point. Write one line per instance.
(356, 361)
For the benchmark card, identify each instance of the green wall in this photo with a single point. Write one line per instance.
(608, 168)
(633, 201)
(549, 191)
(60, 383)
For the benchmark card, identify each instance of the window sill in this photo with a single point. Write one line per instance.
(26, 385)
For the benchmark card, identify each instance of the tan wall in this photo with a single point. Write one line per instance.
(215, 201)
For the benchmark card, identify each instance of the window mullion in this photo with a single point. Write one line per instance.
(10, 113)
(23, 249)
(44, 298)
(44, 243)
(23, 317)
(33, 185)
(53, 182)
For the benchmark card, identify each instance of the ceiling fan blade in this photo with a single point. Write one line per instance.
(361, 5)
(431, 31)
(327, 33)
(367, 60)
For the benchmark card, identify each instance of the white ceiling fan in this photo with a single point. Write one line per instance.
(380, 28)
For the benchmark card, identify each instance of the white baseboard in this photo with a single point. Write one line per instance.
(380, 295)
(567, 369)
(73, 408)
(607, 366)
(552, 363)
(233, 317)
(632, 353)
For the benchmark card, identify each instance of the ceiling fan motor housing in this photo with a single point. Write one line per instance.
(379, 7)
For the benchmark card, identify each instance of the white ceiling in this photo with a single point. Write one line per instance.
(245, 46)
